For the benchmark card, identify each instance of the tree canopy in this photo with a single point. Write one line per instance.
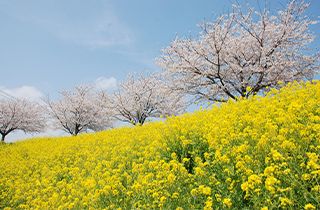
(20, 114)
(240, 54)
(79, 110)
(143, 96)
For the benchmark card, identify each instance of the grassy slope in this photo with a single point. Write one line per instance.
(253, 154)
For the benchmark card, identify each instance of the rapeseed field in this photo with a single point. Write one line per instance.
(256, 153)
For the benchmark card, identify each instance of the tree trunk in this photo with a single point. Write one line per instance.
(2, 138)
(76, 130)
(4, 134)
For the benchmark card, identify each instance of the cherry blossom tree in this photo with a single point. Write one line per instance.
(240, 54)
(79, 110)
(21, 114)
(143, 96)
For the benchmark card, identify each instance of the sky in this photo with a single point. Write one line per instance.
(47, 46)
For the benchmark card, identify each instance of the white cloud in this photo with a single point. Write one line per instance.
(106, 83)
(22, 92)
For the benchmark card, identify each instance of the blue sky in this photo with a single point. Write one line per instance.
(46, 46)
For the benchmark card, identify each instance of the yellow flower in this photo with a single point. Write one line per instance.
(171, 178)
(155, 195)
(306, 177)
(194, 192)
(245, 186)
(209, 204)
(207, 191)
(185, 160)
(227, 201)
(316, 188)
(163, 199)
(174, 156)
(285, 201)
(309, 206)
(175, 195)
(268, 171)
(270, 181)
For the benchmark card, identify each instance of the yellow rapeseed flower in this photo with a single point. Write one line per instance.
(309, 206)
(227, 202)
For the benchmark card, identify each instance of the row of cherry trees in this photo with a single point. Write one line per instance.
(86, 108)
(140, 97)
(236, 55)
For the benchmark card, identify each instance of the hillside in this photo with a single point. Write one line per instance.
(257, 153)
